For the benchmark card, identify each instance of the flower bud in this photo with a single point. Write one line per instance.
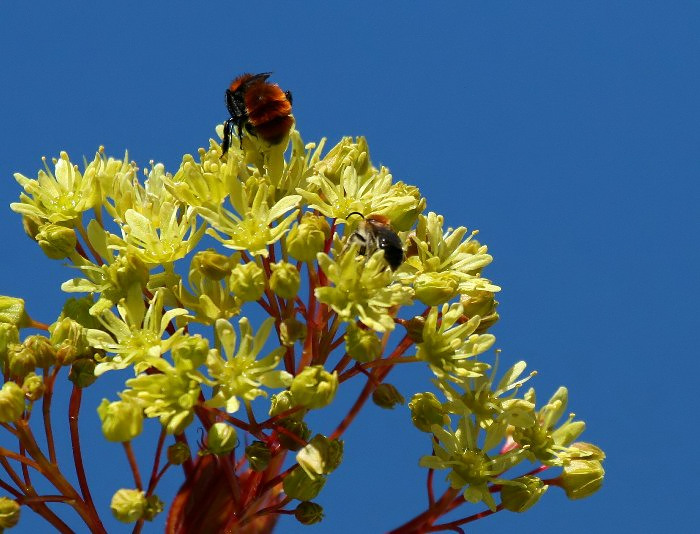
(345, 154)
(9, 335)
(403, 219)
(285, 280)
(434, 289)
(483, 304)
(128, 505)
(42, 349)
(11, 402)
(9, 513)
(582, 478)
(222, 438)
(68, 338)
(522, 497)
(414, 328)
(426, 410)
(321, 456)
(247, 281)
(308, 238)
(211, 264)
(283, 401)
(314, 387)
(12, 312)
(190, 353)
(21, 360)
(127, 271)
(121, 420)
(178, 453)
(56, 241)
(308, 513)
(154, 506)
(258, 455)
(299, 431)
(298, 485)
(82, 372)
(363, 345)
(33, 386)
(292, 330)
(387, 396)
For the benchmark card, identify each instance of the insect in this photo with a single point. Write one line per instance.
(375, 233)
(261, 107)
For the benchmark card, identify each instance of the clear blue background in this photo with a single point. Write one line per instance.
(567, 132)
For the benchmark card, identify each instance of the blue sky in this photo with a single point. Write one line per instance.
(566, 132)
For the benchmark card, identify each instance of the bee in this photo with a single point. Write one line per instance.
(375, 233)
(261, 107)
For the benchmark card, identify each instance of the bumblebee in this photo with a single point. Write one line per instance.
(375, 233)
(259, 107)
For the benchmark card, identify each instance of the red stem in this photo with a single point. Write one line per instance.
(133, 464)
(73, 414)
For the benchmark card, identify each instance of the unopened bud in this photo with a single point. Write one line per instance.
(178, 453)
(291, 331)
(285, 280)
(56, 241)
(33, 386)
(12, 312)
(247, 281)
(308, 513)
(9, 513)
(582, 478)
(294, 435)
(483, 304)
(321, 456)
(128, 505)
(121, 420)
(434, 289)
(22, 360)
(211, 264)
(426, 410)
(362, 344)
(308, 238)
(522, 497)
(222, 438)
(299, 485)
(282, 402)
(387, 396)
(42, 349)
(258, 455)
(314, 387)
(154, 506)
(11, 402)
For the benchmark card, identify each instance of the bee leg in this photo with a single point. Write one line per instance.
(226, 143)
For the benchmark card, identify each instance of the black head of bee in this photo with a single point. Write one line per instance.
(375, 233)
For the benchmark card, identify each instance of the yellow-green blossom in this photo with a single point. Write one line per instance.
(134, 338)
(241, 374)
(367, 194)
(362, 289)
(253, 229)
(447, 345)
(59, 196)
(434, 250)
(470, 468)
(171, 395)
